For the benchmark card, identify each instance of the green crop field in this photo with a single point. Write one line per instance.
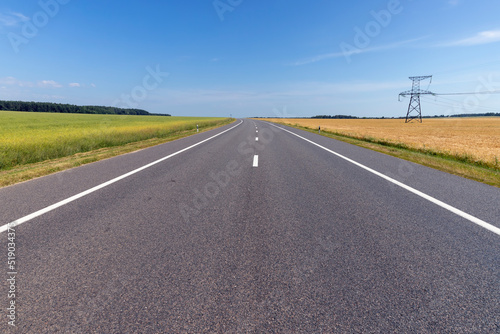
(27, 138)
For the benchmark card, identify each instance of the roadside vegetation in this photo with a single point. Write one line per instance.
(468, 147)
(36, 144)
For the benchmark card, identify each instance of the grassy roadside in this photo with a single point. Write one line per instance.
(30, 171)
(461, 165)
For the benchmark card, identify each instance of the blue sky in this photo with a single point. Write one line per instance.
(252, 58)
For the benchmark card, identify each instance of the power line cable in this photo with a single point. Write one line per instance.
(489, 92)
(455, 104)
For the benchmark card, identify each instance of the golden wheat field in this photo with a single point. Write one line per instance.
(477, 137)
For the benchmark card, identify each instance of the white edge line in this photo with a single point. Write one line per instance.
(255, 161)
(102, 185)
(448, 207)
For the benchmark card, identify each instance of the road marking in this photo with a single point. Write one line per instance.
(103, 185)
(448, 207)
(255, 161)
(256, 138)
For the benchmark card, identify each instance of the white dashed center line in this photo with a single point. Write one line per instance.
(255, 161)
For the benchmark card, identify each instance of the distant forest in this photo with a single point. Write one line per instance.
(70, 108)
(489, 114)
(335, 117)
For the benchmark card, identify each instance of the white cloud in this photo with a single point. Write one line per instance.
(93, 85)
(74, 84)
(355, 51)
(12, 19)
(49, 84)
(11, 81)
(484, 37)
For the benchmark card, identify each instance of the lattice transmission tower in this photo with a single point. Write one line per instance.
(414, 109)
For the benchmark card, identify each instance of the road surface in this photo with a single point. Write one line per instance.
(251, 227)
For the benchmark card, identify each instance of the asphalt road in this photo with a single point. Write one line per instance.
(215, 240)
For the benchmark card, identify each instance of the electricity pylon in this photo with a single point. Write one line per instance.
(414, 109)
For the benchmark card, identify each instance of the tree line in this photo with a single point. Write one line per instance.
(489, 114)
(335, 117)
(70, 108)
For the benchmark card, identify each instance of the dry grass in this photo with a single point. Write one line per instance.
(475, 139)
